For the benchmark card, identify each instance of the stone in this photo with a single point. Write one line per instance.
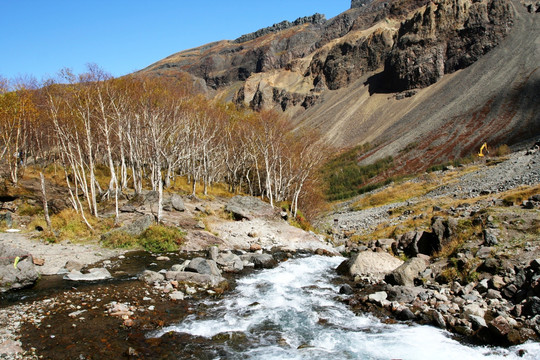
(346, 289)
(438, 319)
(203, 266)
(136, 228)
(177, 203)
(249, 208)
(405, 314)
(500, 326)
(477, 321)
(368, 263)
(377, 297)
(230, 262)
(186, 277)
(24, 274)
(213, 253)
(95, 274)
(176, 295)
(490, 237)
(406, 272)
(493, 294)
(482, 286)
(163, 258)
(151, 277)
(496, 282)
(180, 267)
(38, 262)
(255, 247)
(261, 261)
(473, 309)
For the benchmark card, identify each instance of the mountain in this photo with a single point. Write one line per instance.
(421, 81)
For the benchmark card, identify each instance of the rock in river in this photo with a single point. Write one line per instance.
(92, 275)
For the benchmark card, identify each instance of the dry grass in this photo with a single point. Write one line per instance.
(517, 196)
(182, 185)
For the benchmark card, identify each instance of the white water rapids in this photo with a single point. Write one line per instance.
(291, 312)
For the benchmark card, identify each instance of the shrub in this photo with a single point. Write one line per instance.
(160, 238)
(120, 239)
(343, 177)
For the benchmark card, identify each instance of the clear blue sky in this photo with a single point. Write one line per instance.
(40, 37)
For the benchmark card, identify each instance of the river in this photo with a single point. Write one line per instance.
(293, 312)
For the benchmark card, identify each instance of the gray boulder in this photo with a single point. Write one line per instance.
(261, 261)
(136, 228)
(490, 237)
(369, 263)
(230, 262)
(92, 275)
(203, 266)
(249, 208)
(407, 272)
(186, 277)
(22, 275)
(177, 203)
(150, 277)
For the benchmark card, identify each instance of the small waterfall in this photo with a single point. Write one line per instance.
(291, 312)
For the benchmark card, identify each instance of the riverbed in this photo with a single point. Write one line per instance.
(293, 311)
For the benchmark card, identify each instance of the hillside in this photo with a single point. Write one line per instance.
(438, 79)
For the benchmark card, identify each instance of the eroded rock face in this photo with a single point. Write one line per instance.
(348, 61)
(445, 37)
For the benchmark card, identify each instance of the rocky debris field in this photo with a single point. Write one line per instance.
(470, 264)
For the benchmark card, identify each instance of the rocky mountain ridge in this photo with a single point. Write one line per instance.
(392, 73)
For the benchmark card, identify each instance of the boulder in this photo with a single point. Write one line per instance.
(230, 262)
(192, 278)
(73, 265)
(249, 208)
(150, 277)
(203, 266)
(406, 272)
(22, 275)
(261, 261)
(368, 263)
(136, 228)
(213, 253)
(378, 297)
(443, 231)
(177, 203)
(92, 275)
(490, 237)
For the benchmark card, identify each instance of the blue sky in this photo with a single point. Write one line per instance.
(40, 37)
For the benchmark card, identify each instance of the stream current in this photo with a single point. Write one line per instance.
(292, 312)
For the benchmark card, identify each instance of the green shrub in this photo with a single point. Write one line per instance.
(343, 177)
(160, 238)
(120, 239)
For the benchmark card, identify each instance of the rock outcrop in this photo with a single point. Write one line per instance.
(249, 208)
(445, 37)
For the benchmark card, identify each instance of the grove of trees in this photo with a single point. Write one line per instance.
(146, 131)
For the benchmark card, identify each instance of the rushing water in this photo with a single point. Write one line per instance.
(291, 312)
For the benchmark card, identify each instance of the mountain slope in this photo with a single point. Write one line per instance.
(437, 79)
